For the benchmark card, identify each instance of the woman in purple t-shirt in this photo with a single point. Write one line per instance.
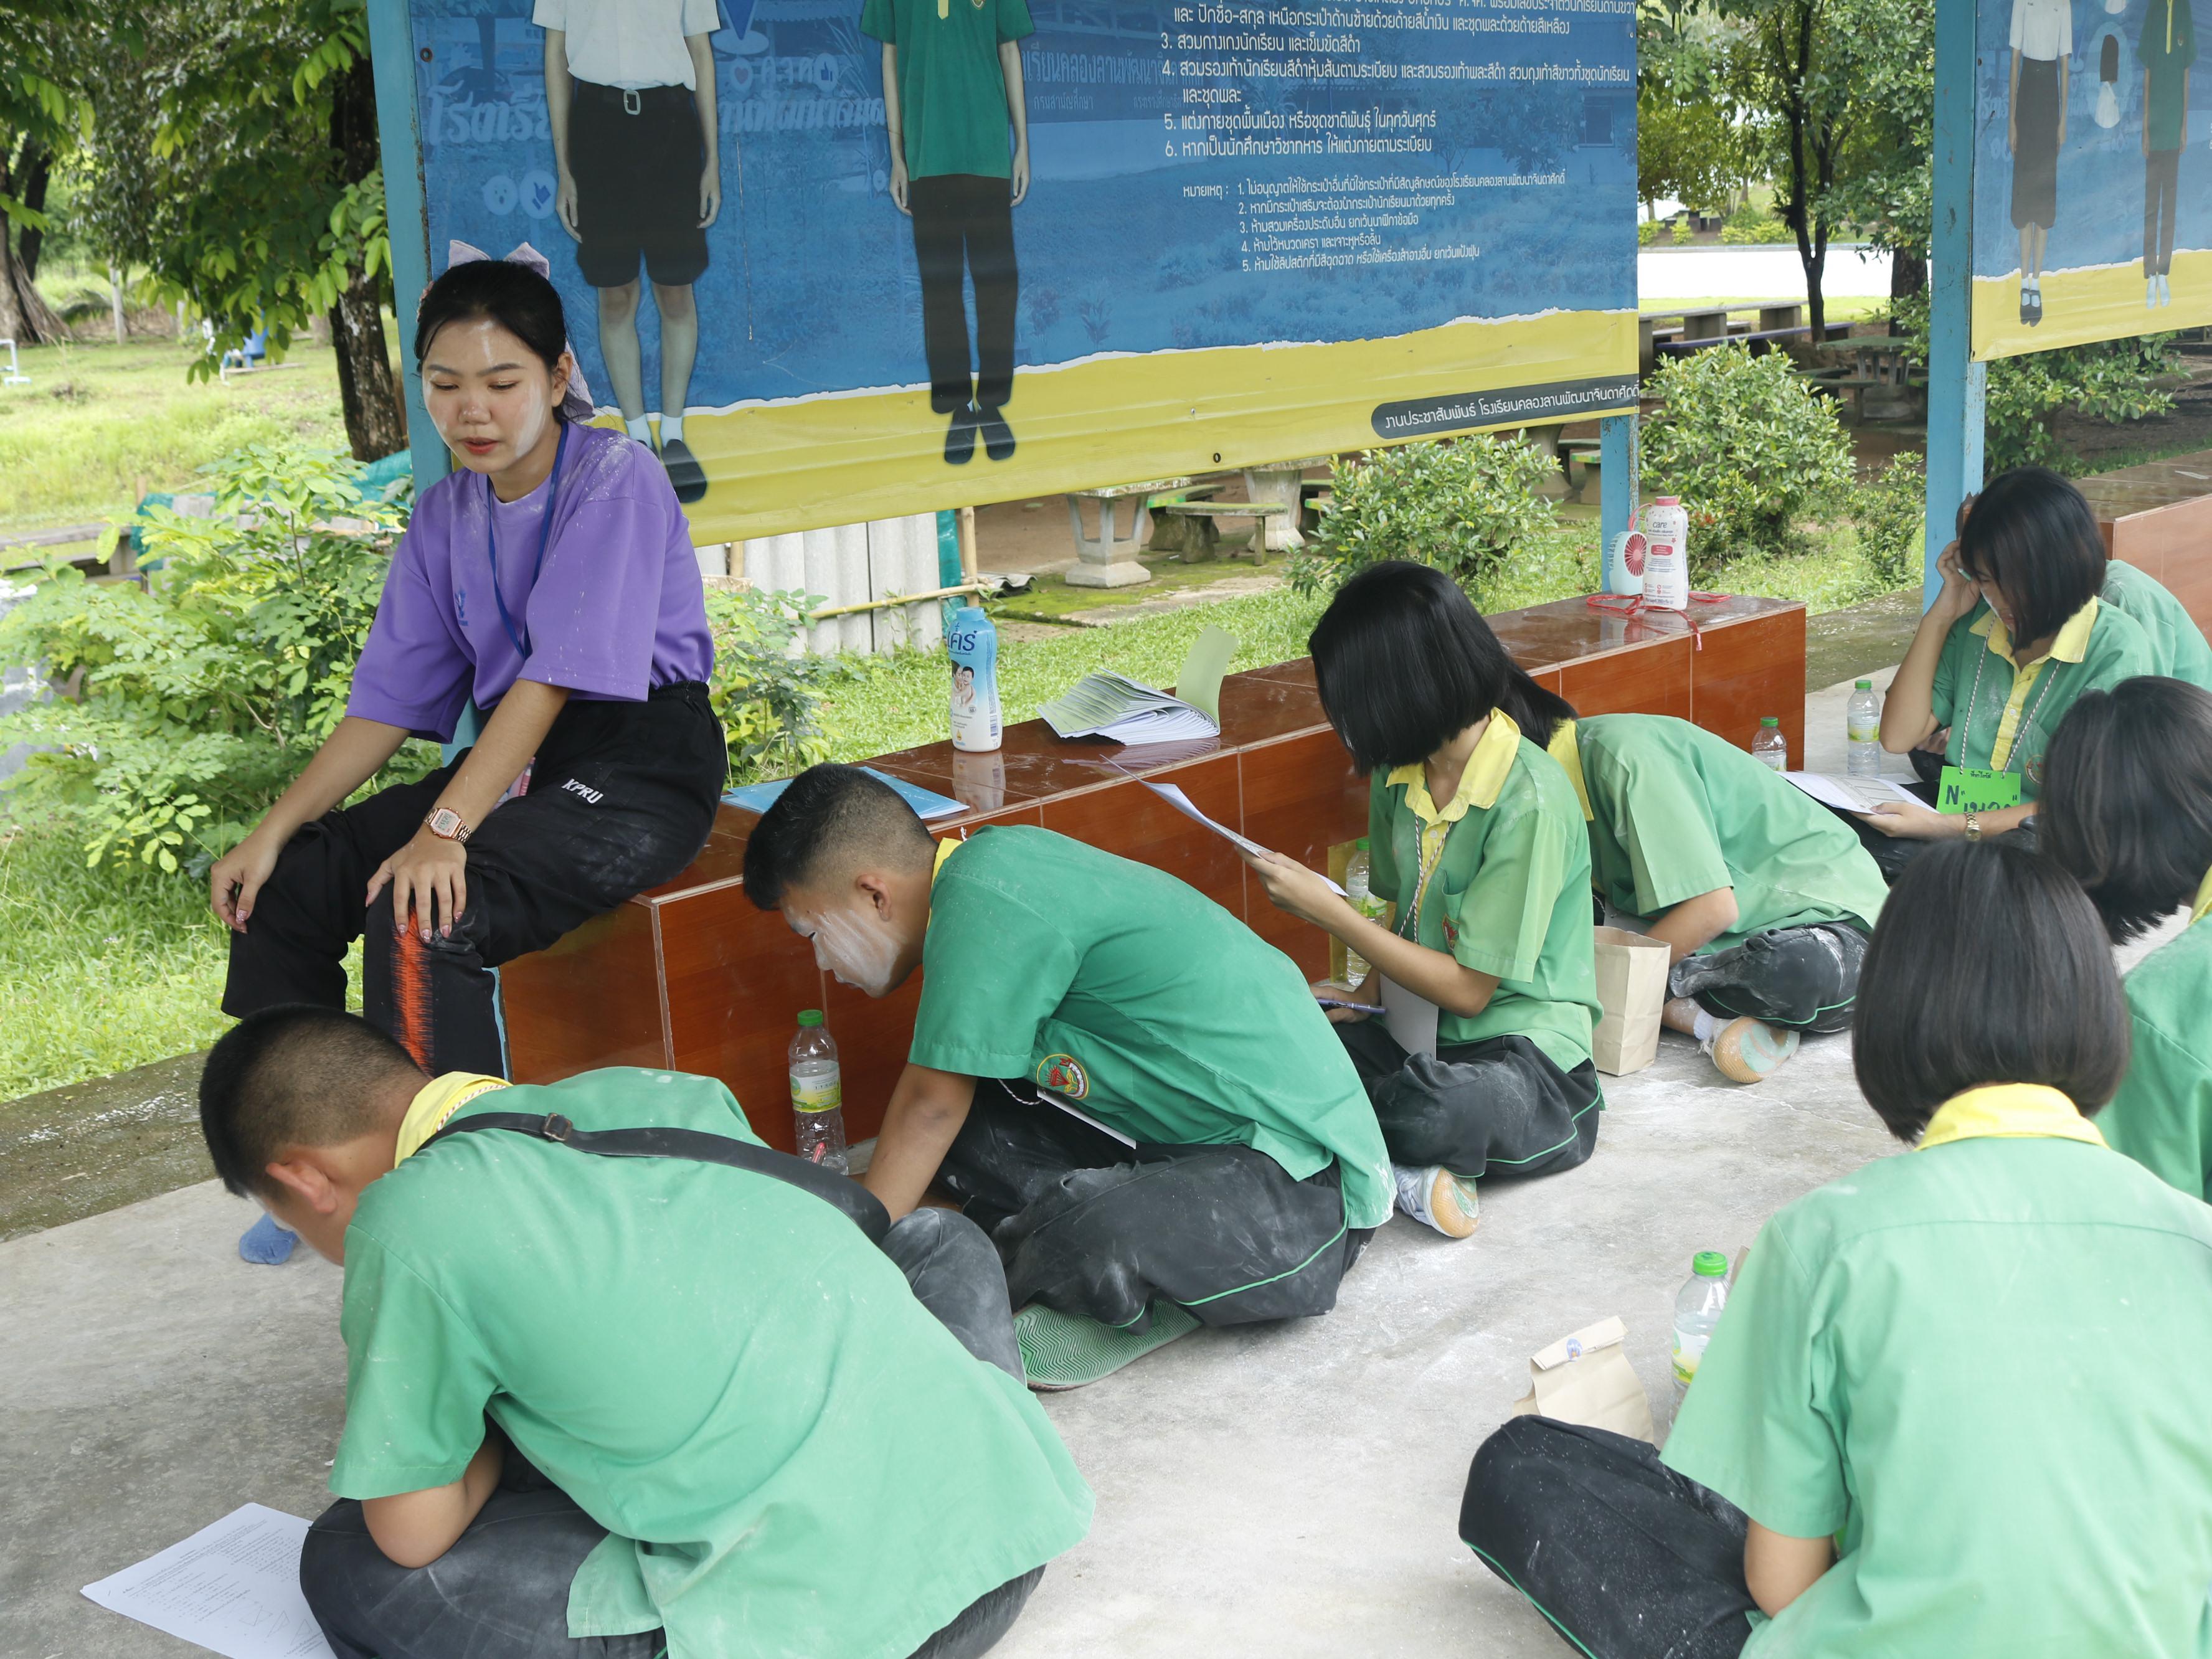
(552, 581)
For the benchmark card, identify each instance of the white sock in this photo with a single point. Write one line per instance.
(1706, 1028)
(640, 429)
(671, 428)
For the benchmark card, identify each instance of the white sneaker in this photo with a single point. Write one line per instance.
(2150, 293)
(1437, 1198)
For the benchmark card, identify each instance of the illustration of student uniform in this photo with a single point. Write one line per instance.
(2042, 40)
(956, 111)
(2167, 47)
(636, 150)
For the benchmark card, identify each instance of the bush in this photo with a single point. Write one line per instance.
(2112, 380)
(1648, 231)
(1891, 519)
(1749, 224)
(1749, 449)
(769, 701)
(1461, 504)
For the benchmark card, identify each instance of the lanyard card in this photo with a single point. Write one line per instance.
(1972, 789)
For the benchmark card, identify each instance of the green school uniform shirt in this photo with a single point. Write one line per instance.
(2167, 47)
(1503, 874)
(1136, 996)
(2163, 1115)
(2179, 647)
(712, 1363)
(1675, 811)
(2001, 717)
(1982, 1363)
(952, 94)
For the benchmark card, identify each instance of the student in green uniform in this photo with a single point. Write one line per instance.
(1955, 1408)
(1476, 836)
(629, 1405)
(1764, 897)
(1150, 1151)
(2130, 815)
(2017, 633)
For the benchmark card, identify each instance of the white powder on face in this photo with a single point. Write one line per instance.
(857, 948)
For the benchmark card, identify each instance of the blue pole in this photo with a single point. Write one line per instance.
(1617, 485)
(1955, 382)
(391, 59)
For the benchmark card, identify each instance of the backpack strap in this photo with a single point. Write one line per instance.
(860, 1206)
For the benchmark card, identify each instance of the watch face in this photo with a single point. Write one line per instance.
(445, 821)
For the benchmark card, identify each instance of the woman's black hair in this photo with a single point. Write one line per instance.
(2031, 532)
(2126, 807)
(513, 295)
(1988, 966)
(1405, 663)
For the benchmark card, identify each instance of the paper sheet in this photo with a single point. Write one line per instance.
(1411, 1016)
(233, 1587)
(1183, 804)
(1850, 795)
(1200, 682)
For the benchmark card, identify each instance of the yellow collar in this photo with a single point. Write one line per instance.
(1477, 785)
(2069, 645)
(436, 1102)
(2009, 1110)
(2203, 908)
(945, 849)
(1566, 749)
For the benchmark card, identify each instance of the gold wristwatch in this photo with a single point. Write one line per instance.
(446, 824)
(1973, 826)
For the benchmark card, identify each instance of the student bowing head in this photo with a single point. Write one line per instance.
(1989, 966)
(1406, 666)
(2127, 801)
(2029, 544)
(849, 865)
(492, 347)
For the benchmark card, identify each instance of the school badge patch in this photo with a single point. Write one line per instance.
(1065, 1075)
(1451, 933)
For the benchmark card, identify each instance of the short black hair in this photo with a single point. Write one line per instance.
(513, 295)
(2126, 807)
(298, 1075)
(830, 817)
(1988, 966)
(1405, 663)
(2032, 533)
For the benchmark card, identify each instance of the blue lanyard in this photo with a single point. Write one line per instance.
(521, 641)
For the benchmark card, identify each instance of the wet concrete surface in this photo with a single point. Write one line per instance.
(1860, 639)
(99, 1145)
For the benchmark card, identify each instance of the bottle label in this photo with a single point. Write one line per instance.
(1858, 734)
(818, 1095)
(1688, 1351)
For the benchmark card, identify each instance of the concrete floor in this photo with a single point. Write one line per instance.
(1284, 1492)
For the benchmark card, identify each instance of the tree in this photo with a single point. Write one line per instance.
(42, 116)
(234, 157)
(1887, 181)
(1689, 146)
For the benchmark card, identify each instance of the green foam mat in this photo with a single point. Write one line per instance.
(1066, 1350)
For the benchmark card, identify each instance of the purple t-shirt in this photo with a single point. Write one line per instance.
(618, 610)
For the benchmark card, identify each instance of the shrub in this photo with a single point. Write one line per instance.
(1648, 231)
(769, 699)
(2112, 380)
(1748, 224)
(1462, 505)
(1750, 450)
(1891, 516)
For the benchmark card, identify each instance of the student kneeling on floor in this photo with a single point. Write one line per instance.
(1956, 1404)
(645, 1403)
(1219, 1164)
(1477, 838)
(1764, 896)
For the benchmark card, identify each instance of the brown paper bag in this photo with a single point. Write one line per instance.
(1586, 1378)
(1631, 989)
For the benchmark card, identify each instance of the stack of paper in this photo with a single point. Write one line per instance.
(1105, 704)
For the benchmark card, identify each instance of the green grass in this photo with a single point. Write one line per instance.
(96, 420)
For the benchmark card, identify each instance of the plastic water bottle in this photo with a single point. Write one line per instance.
(1697, 1307)
(974, 646)
(1770, 747)
(1863, 731)
(1667, 555)
(1358, 890)
(817, 1094)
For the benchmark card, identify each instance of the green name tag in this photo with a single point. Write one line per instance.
(1970, 789)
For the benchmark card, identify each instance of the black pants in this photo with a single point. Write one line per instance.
(637, 176)
(1806, 978)
(1891, 854)
(620, 798)
(964, 219)
(1087, 1226)
(2162, 192)
(501, 1592)
(1627, 1559)
(1497, 1106)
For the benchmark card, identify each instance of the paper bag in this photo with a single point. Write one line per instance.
(1586, 1378)
(1631, 989)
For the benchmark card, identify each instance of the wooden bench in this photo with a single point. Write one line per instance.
(690, 976)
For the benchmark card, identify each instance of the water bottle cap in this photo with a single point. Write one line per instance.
(1865, 685)
(1709, 1264)
(809, 1017)
(1361, 843)
(1770, 720)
